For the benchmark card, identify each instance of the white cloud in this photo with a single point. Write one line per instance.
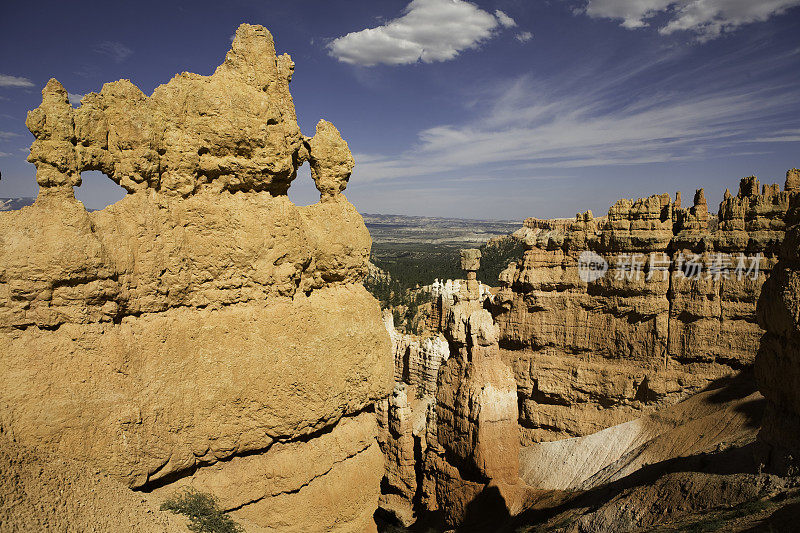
(7, 134)
(14, 81)
(115, 50)
(540, 125)
(779, 137)
(4, 154)
(428, 31)
(524, 36)
(75, 99)
(706, 18)
(505, 20)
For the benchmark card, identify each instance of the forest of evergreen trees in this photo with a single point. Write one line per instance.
(413, 266)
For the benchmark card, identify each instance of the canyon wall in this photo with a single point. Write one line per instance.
(603, 322)
(605, 319)
(777, 365)
(203, 330)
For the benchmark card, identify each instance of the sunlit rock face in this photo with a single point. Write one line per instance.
(449, 430)
(203, 330)
(475, 457)
(565, 354)
(590, 352)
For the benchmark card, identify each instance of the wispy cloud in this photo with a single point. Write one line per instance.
(706, 18)
(505, 20)
(524, 36)
(7, 135)
(428, 31)
(534, 125)
(14, 81)
(4, 154)
(784, 136)
(115, 50)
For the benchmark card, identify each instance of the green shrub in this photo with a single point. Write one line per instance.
(204, 514)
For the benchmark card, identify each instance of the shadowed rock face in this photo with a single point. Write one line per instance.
(204, 317)
(777, 365)
(592, 353)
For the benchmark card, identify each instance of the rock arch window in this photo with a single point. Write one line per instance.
(303, 191)
(97, 190)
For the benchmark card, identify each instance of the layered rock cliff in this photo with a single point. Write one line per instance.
(474, 460)
(605, 322)
(203, 330)
(606, 318)
(407, 421)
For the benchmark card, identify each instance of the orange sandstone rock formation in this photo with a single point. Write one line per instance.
(592, 353)
(610, 351)
(454, 449)
(203, 330)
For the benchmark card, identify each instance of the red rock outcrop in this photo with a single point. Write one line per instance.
(203, 330)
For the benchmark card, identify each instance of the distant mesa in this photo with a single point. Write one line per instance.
(11, 204)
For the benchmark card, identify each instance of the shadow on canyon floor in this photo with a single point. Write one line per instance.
(489, 511)
(729, 462)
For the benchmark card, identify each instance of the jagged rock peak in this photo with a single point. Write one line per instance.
(792, 180)
(748, 186)
(700, 198)
(235, 130)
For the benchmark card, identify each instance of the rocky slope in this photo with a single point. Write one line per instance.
(39, 492)
(203, 330)
(675, 309)
(693, 466)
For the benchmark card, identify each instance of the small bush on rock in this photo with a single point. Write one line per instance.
(204, 514)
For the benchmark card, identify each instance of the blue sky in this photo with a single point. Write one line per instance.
(488, 109)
